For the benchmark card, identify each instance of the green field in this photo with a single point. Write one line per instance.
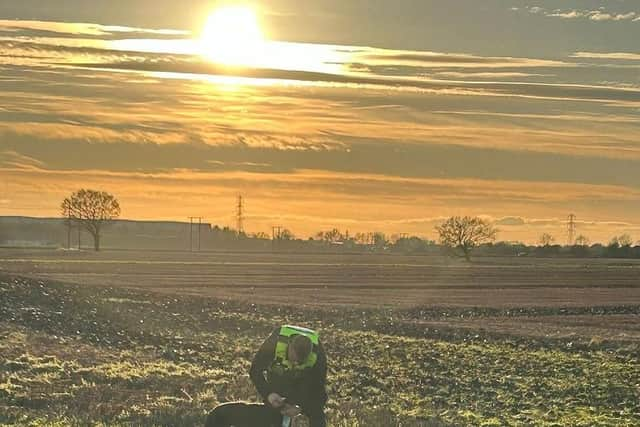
(90, 339)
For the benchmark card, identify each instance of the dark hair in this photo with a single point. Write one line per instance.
(302, 346)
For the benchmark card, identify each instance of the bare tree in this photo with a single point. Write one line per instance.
(380, 240)
(621, 241)
(362, 238)
(465, 233)
(261, 235)
(546, 239)
(91, 210)
(286, 234)
(331, 236)
(582, 240)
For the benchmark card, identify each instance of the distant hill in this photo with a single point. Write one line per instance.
(20, 231)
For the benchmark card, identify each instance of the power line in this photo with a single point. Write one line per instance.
(191, 222)
(276, 232)
(240, 216)
(571, 229)
(69, 230)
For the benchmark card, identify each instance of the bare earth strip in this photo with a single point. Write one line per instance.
(326, 281)
(360, 280)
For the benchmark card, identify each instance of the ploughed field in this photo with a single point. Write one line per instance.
(364, 280)
(126, 338)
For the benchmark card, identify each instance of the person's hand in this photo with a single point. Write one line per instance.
(276, 400)
(291, 410)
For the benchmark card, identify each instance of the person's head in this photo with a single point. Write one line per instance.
(299, 349)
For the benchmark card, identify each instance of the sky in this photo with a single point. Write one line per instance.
(366, 115)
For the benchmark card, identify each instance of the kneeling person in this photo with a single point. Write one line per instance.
(290, 369)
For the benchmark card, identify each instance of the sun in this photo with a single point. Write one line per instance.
(232, 36)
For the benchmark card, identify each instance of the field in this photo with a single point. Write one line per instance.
(128, 338)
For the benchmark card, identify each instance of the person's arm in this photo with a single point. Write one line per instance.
(261, 363)
(318, 378)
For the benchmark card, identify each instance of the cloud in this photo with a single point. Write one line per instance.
(590, 93)
(413, 66)
(356, 185)
(385, 156)
(510, 221)
(85, 29)
(578, 117)
(597, 15)
(567, 14)
(488, 75)
(103, 135)
(437, 59)
(13, 159)
(627, 56)
(559, 223)
(105, 107)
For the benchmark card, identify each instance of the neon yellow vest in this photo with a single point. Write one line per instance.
(281, 364)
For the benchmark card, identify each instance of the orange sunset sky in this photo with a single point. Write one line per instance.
(362, 115)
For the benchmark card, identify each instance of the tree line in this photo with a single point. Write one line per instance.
(461, 236)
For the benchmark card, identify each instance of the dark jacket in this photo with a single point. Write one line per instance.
(305, 389)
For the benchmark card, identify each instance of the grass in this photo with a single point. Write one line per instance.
(118, 357)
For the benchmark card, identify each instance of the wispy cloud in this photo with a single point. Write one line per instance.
(627, 56)
(438, 59)
(552, 91)
(13, 159)
(86, 29)
(488, 75)
(597, 15)
(431, 72)
(107, 107)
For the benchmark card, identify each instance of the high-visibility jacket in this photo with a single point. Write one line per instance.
(281, 365)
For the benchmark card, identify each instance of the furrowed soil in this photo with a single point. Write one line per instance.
(158, 339)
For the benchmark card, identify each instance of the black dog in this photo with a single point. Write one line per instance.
(240, 414)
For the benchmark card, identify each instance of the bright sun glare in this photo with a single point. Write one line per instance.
(232, 36)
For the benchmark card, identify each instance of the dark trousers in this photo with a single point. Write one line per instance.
(316, 415)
